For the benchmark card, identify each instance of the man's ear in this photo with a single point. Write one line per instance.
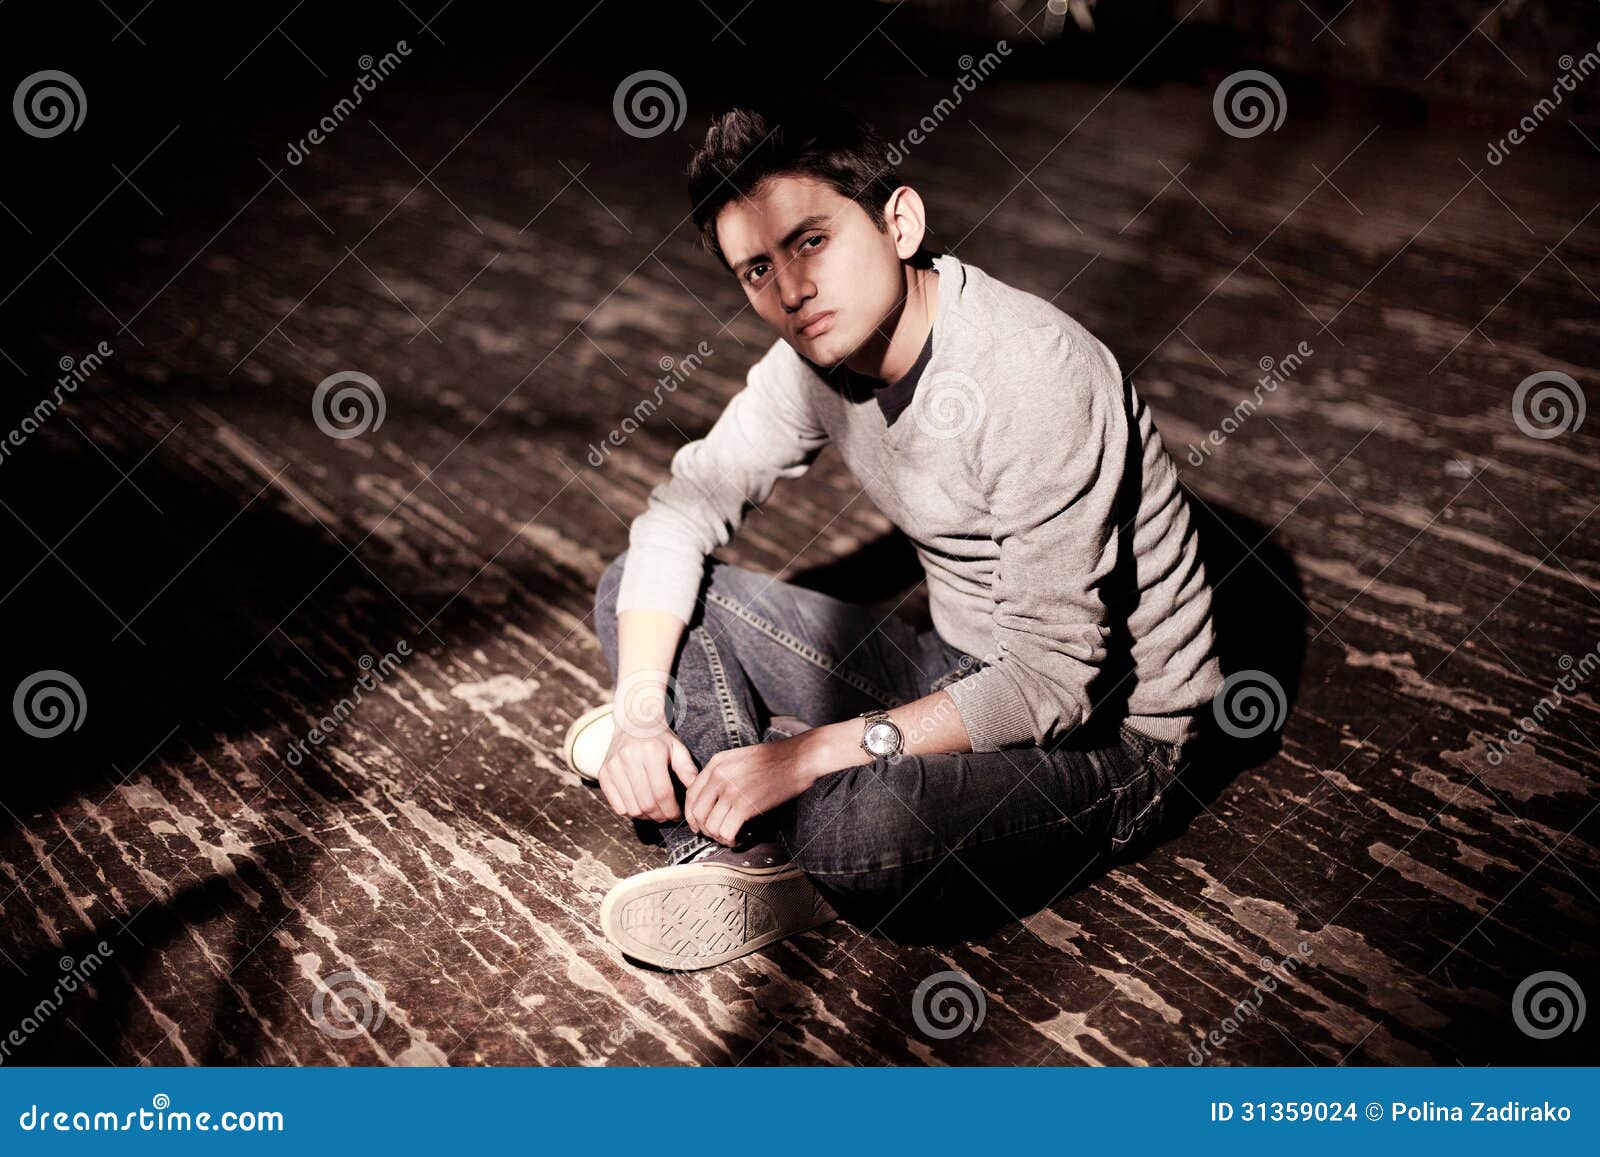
(906, 221)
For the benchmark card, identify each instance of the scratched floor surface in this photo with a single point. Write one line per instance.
(217, 573)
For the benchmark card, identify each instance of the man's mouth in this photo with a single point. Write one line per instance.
(817, 326)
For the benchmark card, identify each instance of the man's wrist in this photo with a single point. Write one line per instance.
(832, 747)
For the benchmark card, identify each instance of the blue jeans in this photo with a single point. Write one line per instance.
(923, 838)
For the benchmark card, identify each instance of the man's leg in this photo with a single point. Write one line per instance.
(758, 647)
(944, 844)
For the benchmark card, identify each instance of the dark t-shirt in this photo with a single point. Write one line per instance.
(892, 397)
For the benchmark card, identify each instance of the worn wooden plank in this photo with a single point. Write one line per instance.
(1422, 568)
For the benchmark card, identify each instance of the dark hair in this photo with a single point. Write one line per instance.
(746, 146)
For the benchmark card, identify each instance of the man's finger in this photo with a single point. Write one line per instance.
(609, 790)
(683, 763)
(694, 807)
(661, 788)
(625, 790)
(718, 819)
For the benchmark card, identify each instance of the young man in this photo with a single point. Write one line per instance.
(802, 757)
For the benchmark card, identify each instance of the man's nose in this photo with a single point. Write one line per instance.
(794, 289)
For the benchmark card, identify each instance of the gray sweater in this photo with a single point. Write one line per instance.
(1047, 515)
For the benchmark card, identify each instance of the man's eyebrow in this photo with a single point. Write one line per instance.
(806, 224)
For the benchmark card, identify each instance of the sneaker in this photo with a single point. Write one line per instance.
(715, 907)
(588, 740)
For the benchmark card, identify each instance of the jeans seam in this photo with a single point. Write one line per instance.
(719, 683)
(810, 654)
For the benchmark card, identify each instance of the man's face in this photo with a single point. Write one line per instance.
(813, 264)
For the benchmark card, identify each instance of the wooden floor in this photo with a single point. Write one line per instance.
(216, 572)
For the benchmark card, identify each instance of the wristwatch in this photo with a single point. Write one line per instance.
(880, 735)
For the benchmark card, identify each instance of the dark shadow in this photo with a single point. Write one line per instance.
(177, 603)
(1260, 621)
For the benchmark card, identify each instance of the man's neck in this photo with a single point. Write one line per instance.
(893, 349)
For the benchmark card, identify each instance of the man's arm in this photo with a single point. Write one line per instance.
(1052, 457)
(766, 432)
(741, 783)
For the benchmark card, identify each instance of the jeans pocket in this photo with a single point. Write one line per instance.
(961, 665)
(1141, 803)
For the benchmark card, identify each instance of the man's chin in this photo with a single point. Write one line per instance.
(826, 351)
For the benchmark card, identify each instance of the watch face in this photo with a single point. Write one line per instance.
(882, 738)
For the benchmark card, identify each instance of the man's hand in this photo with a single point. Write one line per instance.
(741, 783)
(636, 776)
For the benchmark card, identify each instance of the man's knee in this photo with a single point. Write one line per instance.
(850, 827)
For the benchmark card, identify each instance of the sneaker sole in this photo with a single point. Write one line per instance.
(578, 725)
(701, 915)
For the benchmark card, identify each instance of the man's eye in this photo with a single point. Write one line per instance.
(754, 273)
(812, 242)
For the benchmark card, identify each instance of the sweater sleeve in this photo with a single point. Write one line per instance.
(1052, 452)
(767, 431)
